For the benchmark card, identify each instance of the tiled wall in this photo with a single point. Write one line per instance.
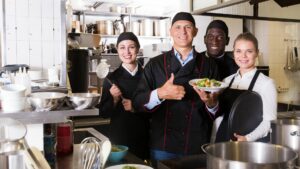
(33, 33)
(274, 39)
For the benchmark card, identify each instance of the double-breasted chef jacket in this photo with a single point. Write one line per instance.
(177, 126)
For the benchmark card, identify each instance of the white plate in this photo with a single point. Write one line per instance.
(137, 166)
(209, 89)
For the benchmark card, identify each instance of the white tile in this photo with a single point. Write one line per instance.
(47, 54)
(47, 8)
(47, 29)
(35, 8)
(11, 52)
(35, 54)
(22, 8)
(10, 6)
(22, 52)
(22, 28)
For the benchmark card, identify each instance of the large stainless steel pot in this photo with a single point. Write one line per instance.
(14, 151)
(286, 132)
(249, 155)
(12, 144)
(105, 27)
(12, 135)
(146, 27)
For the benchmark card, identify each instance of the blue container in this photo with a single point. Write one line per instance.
(117, 153)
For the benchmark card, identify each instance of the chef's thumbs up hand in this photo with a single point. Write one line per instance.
(171, 91)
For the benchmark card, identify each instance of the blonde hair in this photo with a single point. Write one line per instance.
(248, 37)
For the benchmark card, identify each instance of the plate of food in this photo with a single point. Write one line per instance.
(129, 166)
(208, 85)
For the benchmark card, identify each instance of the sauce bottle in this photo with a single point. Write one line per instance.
(64, 135)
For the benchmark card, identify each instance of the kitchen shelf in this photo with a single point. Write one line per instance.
(150, 37)
(85, 13)
(99, 13)
(56, 116)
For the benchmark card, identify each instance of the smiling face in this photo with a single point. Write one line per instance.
(215, 41)
(127, 50)
(183, 32)
(245, 53)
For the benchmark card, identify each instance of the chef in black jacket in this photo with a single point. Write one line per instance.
(216, 38)
(181, 122)
(127, 127)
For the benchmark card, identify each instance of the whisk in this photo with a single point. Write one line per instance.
(90, 153)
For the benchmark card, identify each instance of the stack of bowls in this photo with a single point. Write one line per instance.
(13, 98)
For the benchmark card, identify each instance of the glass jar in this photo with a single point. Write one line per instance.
(64, 136)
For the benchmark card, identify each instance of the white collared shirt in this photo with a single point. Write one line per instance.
(266, 88)
(133, 72)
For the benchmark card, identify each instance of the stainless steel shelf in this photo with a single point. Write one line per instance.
(32, 117)
(99, 13)
(148, 37)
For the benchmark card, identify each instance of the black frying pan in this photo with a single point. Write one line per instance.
(246, 114)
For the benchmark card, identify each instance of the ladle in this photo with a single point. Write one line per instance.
(102, 71)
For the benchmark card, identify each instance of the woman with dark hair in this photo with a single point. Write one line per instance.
(127, 127)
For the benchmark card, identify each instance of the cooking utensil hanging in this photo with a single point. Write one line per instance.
(287, 64)
(292, 55)
(296, 65)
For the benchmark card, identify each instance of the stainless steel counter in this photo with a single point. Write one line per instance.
(56, 116)
(70, 161)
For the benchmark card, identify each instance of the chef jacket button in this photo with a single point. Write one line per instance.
(186, 116)
(182, 133)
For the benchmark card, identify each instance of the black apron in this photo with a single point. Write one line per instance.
(243, 112)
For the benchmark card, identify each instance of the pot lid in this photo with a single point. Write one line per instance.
(11, 130)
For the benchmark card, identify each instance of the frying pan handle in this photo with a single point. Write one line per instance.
(203, 147)
(296, 52)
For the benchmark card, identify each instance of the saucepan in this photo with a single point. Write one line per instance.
(12, 144)
(249, 155)
(12, 135)
(14, 150)
(286, 132)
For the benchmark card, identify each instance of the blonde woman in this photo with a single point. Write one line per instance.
(247, 78)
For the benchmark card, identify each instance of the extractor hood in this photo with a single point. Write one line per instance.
(218, 5)
(285, 3)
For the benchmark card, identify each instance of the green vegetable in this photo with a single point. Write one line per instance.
(129, 167)
(205, 82)
(115, 149)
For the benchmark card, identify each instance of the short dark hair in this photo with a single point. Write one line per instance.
(218, 24)
(128, 36)
(183, 16)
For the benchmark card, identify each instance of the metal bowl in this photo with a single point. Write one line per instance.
(80, 101)
(46, 101)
